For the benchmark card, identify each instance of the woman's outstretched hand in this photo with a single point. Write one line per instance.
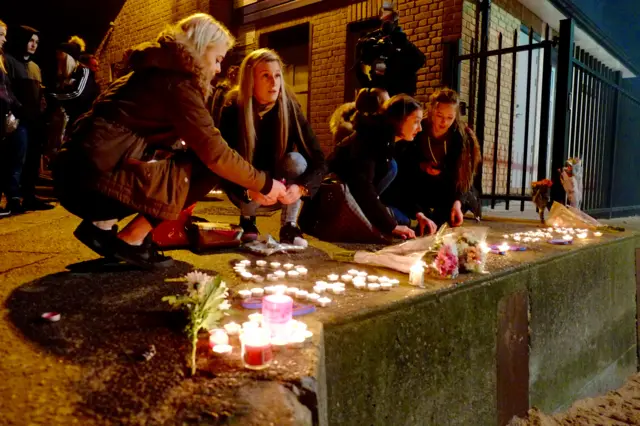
(277, 191)
(293, 194)
(456, 214)
(426, 224)
(404, 232)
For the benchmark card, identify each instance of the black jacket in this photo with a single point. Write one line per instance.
(8, 102)
(361, 161)
(26, 83)
(266, 134)
(77, 98)
(401, 57)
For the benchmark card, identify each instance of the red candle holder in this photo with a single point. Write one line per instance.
(257, 353)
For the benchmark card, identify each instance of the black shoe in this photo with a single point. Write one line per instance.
(145, 256)
(35, 204)
(248, 225)
(15, 207)
(289, 232)
(98, 240)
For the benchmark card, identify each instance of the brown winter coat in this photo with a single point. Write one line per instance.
(158, 107)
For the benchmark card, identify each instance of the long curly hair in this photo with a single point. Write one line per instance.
(2, 67)
(470, 156)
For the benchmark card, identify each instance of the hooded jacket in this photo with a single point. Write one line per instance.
(156, 106)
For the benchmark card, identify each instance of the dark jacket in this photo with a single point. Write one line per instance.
(401, 57)
(8, 102)
(158, 104)
(26, 83)
(77, 97)
(341, 122)
(361, 161)
(301, 139)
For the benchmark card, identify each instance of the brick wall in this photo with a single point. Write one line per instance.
(140, 21)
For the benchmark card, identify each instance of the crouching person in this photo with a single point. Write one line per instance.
(264, 122)
(149, 146)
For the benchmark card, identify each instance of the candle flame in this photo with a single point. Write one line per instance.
(503, 247)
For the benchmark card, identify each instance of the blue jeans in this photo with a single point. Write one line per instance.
(293, 165)
(382, 186)
(14, 152)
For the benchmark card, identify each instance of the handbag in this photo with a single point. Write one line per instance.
(334, 215)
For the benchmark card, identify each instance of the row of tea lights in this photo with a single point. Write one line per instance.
(290, 271)
(567, 235)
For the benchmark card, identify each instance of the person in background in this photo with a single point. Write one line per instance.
(26, 80)
(90, 61)
(438, 167)
(220, 92)
(264, 122)
(76, 88)
(365, 160)
(149, 146)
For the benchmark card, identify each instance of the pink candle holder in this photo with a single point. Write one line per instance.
(277, 312)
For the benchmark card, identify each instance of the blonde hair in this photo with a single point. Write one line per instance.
(79, 41)
(246, 106)
(2, 67)
(203, 30)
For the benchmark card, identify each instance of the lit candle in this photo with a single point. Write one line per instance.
(250, 325)
(359, 284)
(291, 291)
(505, 236)
(218, 336)
(275, 265)
(567, 238)
(258, 278)
(324, 301)
(277, 343)
(256, 317)
(338, 290)
(232, 328)
(484, 247)
(222, 349)
(353, 272)
(297, 340)
(277, 313)
(362, 274)
(416, 274)
(280, 289)
(373, 286)
(582, 235)
(383, 280)
(245, 262)
(597, 234)
(256, 349)
(394, 282)
(333, 277)
(322, 283)
(319, 289)
(288, 266)
(386, 286)
(293, 274)
(313, 297)
(302, 270)
(301, 294)
(372, 279)
(246, 276)
(261, 263)
(346, 278)
(272, 277)
(525, 239)
(503, 248)
(280, 274)
(257, 292)
(245, 294)
(298, 326)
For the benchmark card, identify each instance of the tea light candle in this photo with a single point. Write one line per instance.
(250, 325)
(353, 272)
(301, 294)
(505, 236)
(359, 284)
(319, 289)
(567, 238)
(293, 274)
(232, 328)
(383, 280)
(257, 292)
(256, 317)
(373, 286)
(333, 277)
(338, 290)
(597, 234)
(394, 282)
(218, 336)
(297, 340)
(275, 265)
(302, 270)
(246, 276)
(416, 274)
(258, 278)
(272, 277)
(277, 343)
(291, 291)
(280, 274)
(280, 289)
(362, 274)
(245, 294)
(372, 279)
(324, 302)
(503, 248)
(582, 235)
(277, 311)
(386, 286)
(269, 289)
(256, 349)
(322, 283)
(246, 262)
(222, 349)
(346, 278)
(313, 297)
(261, 263)
(288, 266)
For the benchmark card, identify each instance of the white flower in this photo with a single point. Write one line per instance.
(197, 277)
(224, 306)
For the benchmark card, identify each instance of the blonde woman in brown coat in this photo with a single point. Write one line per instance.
(149, 145)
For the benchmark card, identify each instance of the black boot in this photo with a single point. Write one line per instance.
(99, 240)
(248, 225)
(289, 232)
(145, 256)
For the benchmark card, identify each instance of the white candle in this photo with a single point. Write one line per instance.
(232, 328)
(383, 280)
(319, 289)
(359, 284)
(346, 278)
(597, 234)
(287, 266)
(280, 289)
(257, 292)
(293, 274)
(362, 274)
(321, 283)
(338, 290)
(353, 272)
(250, 325)
(275, 265)
(307, 334)
(270, 289)
(567, 238)
(505, 236)
(416, 274)
(503, 248)
(333, 277)
(277, 343)
(339, 284)
(372, 279)
(313, 297)
(256, 317)
(301, 294)
(261, 263)
(245, 294)
(218, 336)
(280, 274)
(373, 286)
(291, 291)
(394, 282)
(258, 278)
(386, 286)
(222, 349)
(582, 235)
(296, 340)
(246, 262)
(272, 277)
(302, 270)
(246, 276)
(324, 301)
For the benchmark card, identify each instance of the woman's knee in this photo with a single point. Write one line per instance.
(293, 165)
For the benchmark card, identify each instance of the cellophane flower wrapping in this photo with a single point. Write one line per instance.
(445, 264)
(471, 257)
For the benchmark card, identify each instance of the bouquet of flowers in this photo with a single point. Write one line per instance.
(206, 302)
(446, 262)
(462, 250)
(472, 254)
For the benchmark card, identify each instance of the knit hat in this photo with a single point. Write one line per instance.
(74, 47)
